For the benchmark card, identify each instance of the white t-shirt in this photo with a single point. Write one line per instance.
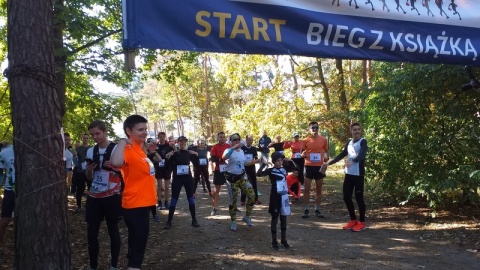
(236, 161)
(7, 163)
(68, 159)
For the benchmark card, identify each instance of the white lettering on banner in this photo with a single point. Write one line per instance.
(356, 38)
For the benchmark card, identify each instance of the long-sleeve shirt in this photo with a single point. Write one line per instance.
(356, 152)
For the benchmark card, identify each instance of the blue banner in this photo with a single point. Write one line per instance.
(428, 31)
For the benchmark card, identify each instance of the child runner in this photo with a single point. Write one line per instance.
(277, 176)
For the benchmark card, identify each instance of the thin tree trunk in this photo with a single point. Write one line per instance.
(206, 111)
(179, 115)
(342, 97)
(41, 226)
(325, 90)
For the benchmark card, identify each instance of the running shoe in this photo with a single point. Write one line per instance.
(233, 226)
(275, 245)
(248, 221)
(285, 244)
(195, 223)
(167, 205)
(350, 224)
(168, 225)
(204, 190)
(242, 203)
(360, 226)
(258, 193)
(156, 218)
(238, 210)
(258, 202)
(214, 212)
(318, 214)
(160, 207)
(306, 214)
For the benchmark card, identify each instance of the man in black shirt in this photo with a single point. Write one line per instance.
(163, 170)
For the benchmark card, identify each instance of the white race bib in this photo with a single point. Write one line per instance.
(297, 155)
(84, 166)
(282, 186)
(150, 164)
(248, 157)
(223, 167)
(315, 157)
(182, 169)
(161, 163)
(203, 161)
(100, 181)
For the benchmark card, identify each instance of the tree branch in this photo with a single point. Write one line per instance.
(94, 42)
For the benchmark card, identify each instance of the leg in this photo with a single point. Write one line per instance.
(318, 191)
(348, 186)
(80, 189)
(306, 192)
(204, 172)
(115, 242)
(247, 188)
(273, 230)
(112, 207)
(233, 194)
(176, 188)
(196, 176)
(159, 192)
(167, 191)
(138, 226)
(92, 241)
(188, 184)
(359, 183)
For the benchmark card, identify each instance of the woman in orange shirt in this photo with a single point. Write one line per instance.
(139, 193)
(296, 147)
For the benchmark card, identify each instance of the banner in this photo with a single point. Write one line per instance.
(423, 31)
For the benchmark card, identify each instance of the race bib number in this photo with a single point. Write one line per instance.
(315, 157)
(150, 165)
(100, 181)
(282, 186)
(248, 157)
(161, 164)
(223, 167)
(297, 155)
(203, 161)
(182, 169)
(84, 166)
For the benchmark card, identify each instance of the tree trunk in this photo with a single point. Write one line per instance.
(325, 90)
(342, 98)
(60, 52)
(41, 227)
(206, 110)
(179, 114)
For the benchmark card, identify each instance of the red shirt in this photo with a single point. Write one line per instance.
(296, 148)
(217, 151)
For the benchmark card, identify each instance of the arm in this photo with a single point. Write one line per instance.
(287, 144)
(340, 156)
(117, 159)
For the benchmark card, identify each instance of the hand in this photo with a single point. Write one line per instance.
(169, 154)
(193, 152)
(127, 141)
(107, 164)
(237, 146)
(303, 155)
(349, 163)
(91, 166)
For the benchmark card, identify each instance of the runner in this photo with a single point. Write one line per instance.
(7, 160)
(263, 146)
(202, 169)
(277, 145)
(220, 168)
(278, 194)
(163, 172)
(79, 179)
(355, 151)
(293, 183)
(139, 192)
(315, 152)
(103, 200)
(296, 147)
(180, 161)
(237, 179)
(251, 153)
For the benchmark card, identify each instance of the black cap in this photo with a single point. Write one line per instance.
(276, 156)
(182, 138)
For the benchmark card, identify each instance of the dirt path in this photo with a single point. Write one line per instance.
(397, 238)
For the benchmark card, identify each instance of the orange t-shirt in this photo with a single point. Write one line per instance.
(139, 177)
(315, 149)
(296, 148)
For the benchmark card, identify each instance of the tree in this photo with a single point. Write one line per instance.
(41, 228)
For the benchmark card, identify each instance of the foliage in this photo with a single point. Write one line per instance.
(422, 133)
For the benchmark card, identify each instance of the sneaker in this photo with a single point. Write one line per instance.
(167, 205)
(258, 202)
(285, 244)
(210, 193)
(248, 221)
(242, 203)
(195, 223)
(214, 212)
(156, 218)
(275, 245)
(168, 225)
(233, 226)
(160, 207)
(360, 226)
(204, 190)
(318, 214)
(350, 224)
(306, 214)
(238, 210)
(258, 193)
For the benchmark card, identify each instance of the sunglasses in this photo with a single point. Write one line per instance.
(314, 127)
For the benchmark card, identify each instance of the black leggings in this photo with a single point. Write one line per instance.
(80, 180)
(137, 221)
(354, 182)
(177, 184)
(93, 246)
(301, 167)
(199, 171)
(283, 226)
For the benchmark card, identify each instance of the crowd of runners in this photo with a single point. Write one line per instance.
(133, 178)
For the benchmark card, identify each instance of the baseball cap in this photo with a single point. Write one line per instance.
(182, 138)
(295, 134)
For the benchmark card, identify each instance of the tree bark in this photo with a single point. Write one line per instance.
(41, 226)
(321, 76)
(179, 114)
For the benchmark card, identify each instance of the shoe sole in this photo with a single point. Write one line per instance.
(305, 217)
(361, 230)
